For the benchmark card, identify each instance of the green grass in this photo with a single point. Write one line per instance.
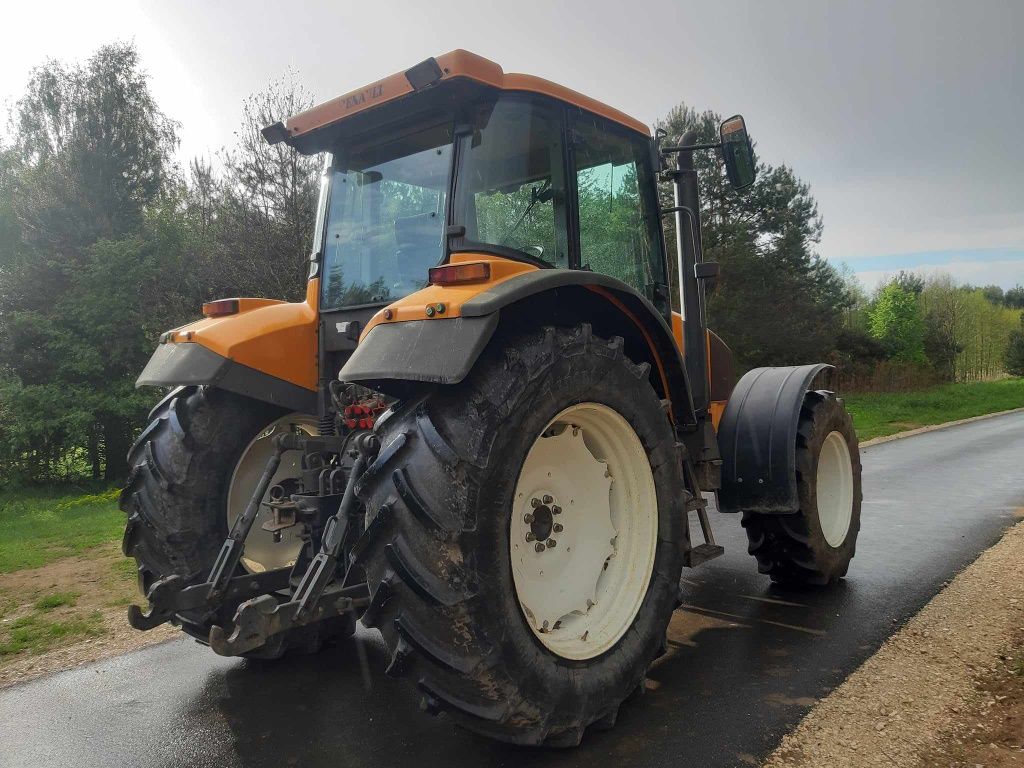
(36, 633)
(56, 600)
(879, 414)
(40, 525)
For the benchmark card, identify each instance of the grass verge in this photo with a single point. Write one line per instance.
(67, 612)
(36, 632)
(41, 525)
(877, 414)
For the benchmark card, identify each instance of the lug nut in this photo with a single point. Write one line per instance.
(556, 510)
(539, 547)
(547, 499)
(530, 536)
(551, 543)
(528, 518)
(557, 528)
(535, 503)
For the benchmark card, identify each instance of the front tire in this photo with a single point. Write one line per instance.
(815, 545)
(445, 561)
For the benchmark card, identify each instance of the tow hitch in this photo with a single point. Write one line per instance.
(312, 590)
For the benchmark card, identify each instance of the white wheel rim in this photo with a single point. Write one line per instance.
(581, 595)
(834, 489)
(261, 552)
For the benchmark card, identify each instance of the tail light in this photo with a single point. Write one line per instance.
(456, 274)
(220, 308)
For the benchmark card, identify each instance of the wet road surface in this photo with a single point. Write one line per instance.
(746, 660)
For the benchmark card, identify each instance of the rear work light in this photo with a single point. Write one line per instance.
(455, 274)
(220, 308)
(452, 274)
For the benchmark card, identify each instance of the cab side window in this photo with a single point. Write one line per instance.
(619, 232)
(512, 182)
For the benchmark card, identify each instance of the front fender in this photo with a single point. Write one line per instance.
(757, 439)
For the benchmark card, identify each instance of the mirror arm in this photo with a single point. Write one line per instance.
(712, 145)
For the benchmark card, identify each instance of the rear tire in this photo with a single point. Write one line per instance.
(176, 500)
(815, 545)
(440, 499)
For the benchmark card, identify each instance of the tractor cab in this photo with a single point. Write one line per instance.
(515, 175)
(471, 160)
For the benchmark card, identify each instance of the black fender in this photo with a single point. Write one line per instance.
(443, 351)
(757, 439)
(189, 363)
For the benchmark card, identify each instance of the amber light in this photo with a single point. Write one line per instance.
(453, 274)
(220, 308)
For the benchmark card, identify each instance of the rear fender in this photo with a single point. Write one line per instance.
(267, 351)
(757, 438)
(442, 349)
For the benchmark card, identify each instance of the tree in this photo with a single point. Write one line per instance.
(1014, 298)
(986, 332)
(91, 156)
(765, 241)
(909, 281)
(994, 294)
(1014, 358)
(265, 206)
(896, 322)
(943, 310)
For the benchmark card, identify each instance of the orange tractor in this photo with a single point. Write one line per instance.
(484, 430)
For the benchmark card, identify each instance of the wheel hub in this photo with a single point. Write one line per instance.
(543, 528)
(265, 548)
(576, 491)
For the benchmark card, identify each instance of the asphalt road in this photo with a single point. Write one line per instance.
(746, 660)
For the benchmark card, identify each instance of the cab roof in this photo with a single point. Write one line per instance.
(452, 66)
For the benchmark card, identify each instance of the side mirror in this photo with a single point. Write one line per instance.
(737, 153)
(707, 272)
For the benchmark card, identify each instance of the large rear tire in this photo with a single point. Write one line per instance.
(462, 522)
(815, 545)
(177, 499)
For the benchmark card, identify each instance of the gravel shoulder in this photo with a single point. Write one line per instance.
(938, 692)
(88, 594)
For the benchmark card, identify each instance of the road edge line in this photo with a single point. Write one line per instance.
(935, 427)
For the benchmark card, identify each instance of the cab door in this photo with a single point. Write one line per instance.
(615, 206)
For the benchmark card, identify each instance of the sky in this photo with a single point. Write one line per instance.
(904, 117)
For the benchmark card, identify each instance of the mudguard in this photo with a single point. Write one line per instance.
(443, 350)
(432, 351)
(757, 438)
(189, 364)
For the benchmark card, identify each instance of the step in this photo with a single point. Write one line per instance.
(701, 554)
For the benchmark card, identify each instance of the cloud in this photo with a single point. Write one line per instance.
(1005, 272)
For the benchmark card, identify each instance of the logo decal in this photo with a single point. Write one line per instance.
(361, 97)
